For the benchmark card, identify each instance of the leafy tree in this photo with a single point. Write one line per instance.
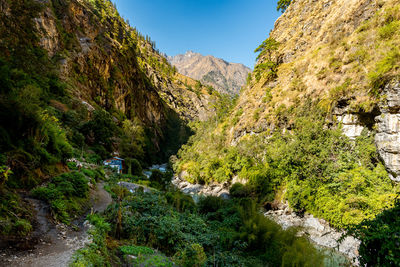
(380, 238)
(267, 48)
(99, 132)
(133, 140)
(161, 180)
(283, 4)
(192, 255)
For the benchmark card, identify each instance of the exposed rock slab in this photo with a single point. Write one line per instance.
(216, 190)
(351, 126)
(387, 138)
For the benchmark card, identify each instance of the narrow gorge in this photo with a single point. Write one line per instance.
(113, 153)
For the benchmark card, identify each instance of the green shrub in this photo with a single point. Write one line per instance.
(209, 204)
(382, 73)
(99, 174)
(136, 250)
(283, 5)
(387, 31)
(134, 167)
(22, 227)
(89, 173)
(379, 238)
(47, 193)
(97, 253)
(192, 255)
(180, 201)
(65, 194)
(95, 158)
(15, 215)
(154, 260)
(59, 210)
(72, 165)
(161, 179)
(239, 190)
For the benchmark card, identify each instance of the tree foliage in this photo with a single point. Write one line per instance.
(206, 237)
(283, 5)
(380, 238)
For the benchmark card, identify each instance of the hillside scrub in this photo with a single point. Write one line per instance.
(351, 67)
(67, 195)
(322, 171)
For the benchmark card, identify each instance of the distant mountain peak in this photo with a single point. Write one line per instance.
(190, 53)
(223, 76)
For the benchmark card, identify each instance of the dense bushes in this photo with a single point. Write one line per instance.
(66, 195)
(221, 227)
(145, 257)
(180, 201)
(160, 180)
(30, 135)
(15, 216)
(380, 238)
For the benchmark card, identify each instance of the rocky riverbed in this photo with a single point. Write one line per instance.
(214, 189)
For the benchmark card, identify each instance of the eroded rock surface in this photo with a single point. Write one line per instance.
(217, 190)
(351, 126)
(387, 138)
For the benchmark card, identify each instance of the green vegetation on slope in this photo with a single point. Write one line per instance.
(48, 116)
(214, 232)
(68, 194)
(282, 139)
(322, 171)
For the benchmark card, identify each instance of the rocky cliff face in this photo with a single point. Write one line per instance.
(108, 64)
(343, 57)
(387, 138)
(223, 76)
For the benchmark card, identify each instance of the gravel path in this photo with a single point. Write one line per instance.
(56, 243)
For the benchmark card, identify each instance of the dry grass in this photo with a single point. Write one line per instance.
(335, 52)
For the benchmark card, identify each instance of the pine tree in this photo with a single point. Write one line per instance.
(283, 4)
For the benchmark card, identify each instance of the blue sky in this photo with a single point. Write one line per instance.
(228, 29)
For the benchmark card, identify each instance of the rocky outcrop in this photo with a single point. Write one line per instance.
(214, 189)
(318, 230)
(225, 77)
(351, 126)
(387, 138)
